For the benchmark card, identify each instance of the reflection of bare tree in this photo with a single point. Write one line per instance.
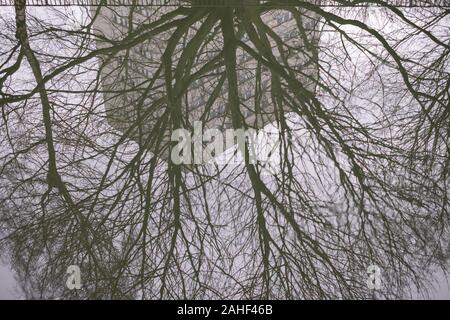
(365, 154)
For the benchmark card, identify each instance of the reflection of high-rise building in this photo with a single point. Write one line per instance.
(127, 74)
